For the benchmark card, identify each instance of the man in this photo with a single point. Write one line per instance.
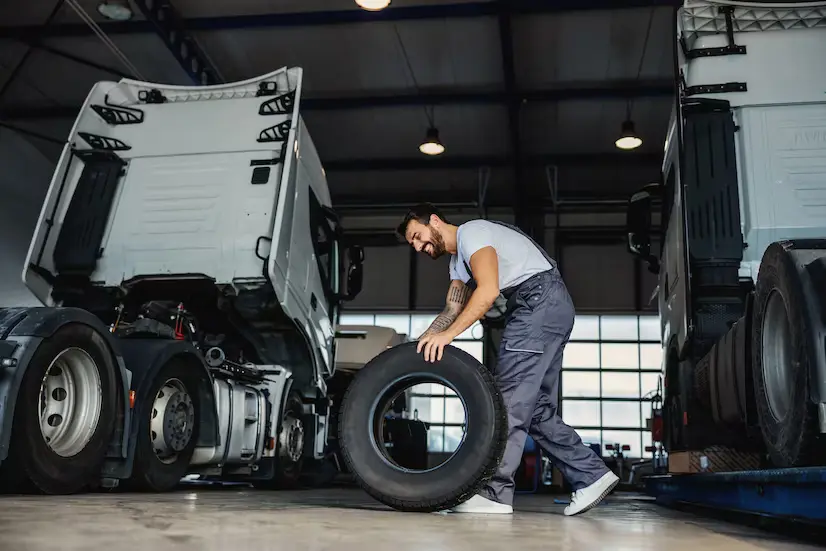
(488, 258)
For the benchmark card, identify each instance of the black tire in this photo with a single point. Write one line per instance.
(32, 464)
(789, 431)
(149, 472)
(287, 470)
(453, 481)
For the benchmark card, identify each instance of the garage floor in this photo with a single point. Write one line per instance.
(348, 520)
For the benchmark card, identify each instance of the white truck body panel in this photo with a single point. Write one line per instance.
(193, 200)
(781, 142)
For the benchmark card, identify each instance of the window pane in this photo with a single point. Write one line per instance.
(620, 385)
(580, 385)
(423, 388)
(625, 438)
(454, 411)
(591, 437)
(621, 414)
(581, 355)
(586, 328)
(474, 348)
(646, 441)
(429, 410)
(357, 319)
(419, 324)
(651, 356)
(580, 413)
(399, 322)
(430, 388)
(619, 328)
(650, 328)
(649, 383)
(469, 333)
(453, 437)
(435, 439)
(620, 356)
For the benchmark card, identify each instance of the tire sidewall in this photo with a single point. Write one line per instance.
(49, 471)
(150, 472)
(784, 438)
(446, 481)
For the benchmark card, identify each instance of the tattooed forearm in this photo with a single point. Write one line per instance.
(442, 322)
(458, 294)
(457, 297)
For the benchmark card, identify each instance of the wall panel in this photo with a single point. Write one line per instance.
(25, 174)
(599, 277)
(386, 279)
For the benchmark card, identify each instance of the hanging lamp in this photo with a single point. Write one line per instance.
(628, 137)
(116, 10)
(431, 144)
(373, 5)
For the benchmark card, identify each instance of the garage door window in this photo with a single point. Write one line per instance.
(610, 372)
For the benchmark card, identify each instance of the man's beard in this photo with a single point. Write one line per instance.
(437, 243)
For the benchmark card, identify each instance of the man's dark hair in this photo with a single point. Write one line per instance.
(420, 213)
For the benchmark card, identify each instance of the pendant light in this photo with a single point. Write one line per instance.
(628, 137)
(116, 10)
(431, 144)
(373, 5)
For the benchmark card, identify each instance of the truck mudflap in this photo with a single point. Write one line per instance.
(144, 358)
(21, 332)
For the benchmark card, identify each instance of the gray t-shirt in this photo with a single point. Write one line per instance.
(519, 259)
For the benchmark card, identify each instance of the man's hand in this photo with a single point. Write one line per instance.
(434, 345)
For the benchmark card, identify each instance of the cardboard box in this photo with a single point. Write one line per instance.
(716, 459)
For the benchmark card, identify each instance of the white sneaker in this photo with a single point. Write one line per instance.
(590, 496)
(482, 505)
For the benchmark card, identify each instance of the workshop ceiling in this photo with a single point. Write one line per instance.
(550, 81)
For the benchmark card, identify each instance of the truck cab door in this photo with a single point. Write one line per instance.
(311, 254)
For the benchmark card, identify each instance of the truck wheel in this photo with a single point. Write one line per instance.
(65, 413)
(290, 444)
(782, 352)
(377, 385)
(168, 429)
(289, 447)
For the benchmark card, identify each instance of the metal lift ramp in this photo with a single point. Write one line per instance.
(798, 494)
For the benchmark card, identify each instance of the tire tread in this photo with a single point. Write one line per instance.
(475, 482)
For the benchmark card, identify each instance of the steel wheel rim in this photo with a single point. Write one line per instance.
(776, 356)
(291, 438)
(70, 402)
(172, 421)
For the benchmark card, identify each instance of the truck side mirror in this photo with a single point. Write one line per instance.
(355, 273)
(638, 227)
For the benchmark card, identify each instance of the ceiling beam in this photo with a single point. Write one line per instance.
(519, 193)
(169, 26)
(612, 159)
(347, 16)
(620, 89)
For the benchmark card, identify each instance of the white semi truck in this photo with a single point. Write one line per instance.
(742, 256)
(190, 268)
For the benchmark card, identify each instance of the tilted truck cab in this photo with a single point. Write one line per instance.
(742, 259)
(188, 251)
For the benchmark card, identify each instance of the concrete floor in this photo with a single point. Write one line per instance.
(348, 520)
